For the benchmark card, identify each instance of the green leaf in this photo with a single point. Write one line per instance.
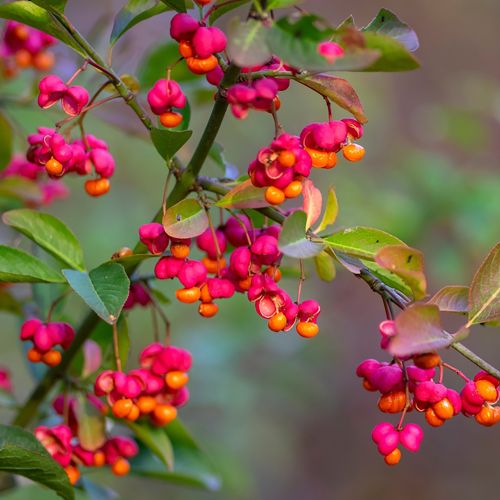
(91, 424)
(191, 465)
(296, 42)
(154, 65)
(247, 44)
(389, 278)
(224, 9)
(484, 293)
(280, 4)
(178, 5)
(186, 219)
(104, 289)
(331, 211)
(21, 188)
(337, 89)
(407, 263)
(362, 242)
(168, 142)
(388, 23)
(418, 330)
(17, 266)
(157, 440)
(244, 195)
(134, 12)
(453, 299)
(58, 5)
(6, 141)
(293, 240)
(39, 18)
(21, 453)
(49, 233)
(325, 266)
(394, 56)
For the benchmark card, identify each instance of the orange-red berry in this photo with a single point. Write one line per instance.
(179, 250)
(201, 66)
(427, 360)
(54, 167)
(134, 413)
(188, 295)
(274, 273)
(176, 379)
(99, 459)
(393, 458)
(52, 358)
(331, 160)
(392, 402)
(293, 189)
(121, 467)
(43, 61)
(205, 296)
(73, 474)
(307, 329)
(277, 322)
(23, 58)
(319, 158)
(164, 414)
(146, 404)
(274, 195)
(34, 356)
(486, 416)
(443, 409)
(487, 390)
(186, 49)
(208, 309)
(171, 119)
(286, 159)
(432, 418)
(97, 187)
(122, 408)
(213, 266)
(353, 152)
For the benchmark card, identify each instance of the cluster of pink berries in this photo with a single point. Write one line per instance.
(331, 51)
(324, 140)
(45, 338)
(52, 90)
(50, 189)
(253, 268)
(22, 47)
(62, 442)
(198, 43)
(260, 94)
(165, 95)
(405, 387)
(49, 149)
(154, 390)
(281, 167)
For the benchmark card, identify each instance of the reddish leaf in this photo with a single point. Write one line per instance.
(407, 263)
(452, 299)
(92, 357)
(339, 90)
(419, 330)
(484, 294)
(312, 202)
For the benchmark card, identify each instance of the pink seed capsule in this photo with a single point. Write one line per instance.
(103, 161)
(42, 339)
(192, 273)
(411, 437)
(154, 237)
(220, 288)
(74, 100)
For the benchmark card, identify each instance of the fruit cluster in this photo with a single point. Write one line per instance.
(62, 442)
(165, 95)
(50, 189)
(22, 47)
(260, 94)
(198, 44)
(52, 90)
(154, 390)
(405, 387)
(45, 338)
(281, 167)
(49, 149)
(252, 268)
(324, 140)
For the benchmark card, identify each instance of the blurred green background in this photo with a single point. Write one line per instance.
(285, 418)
